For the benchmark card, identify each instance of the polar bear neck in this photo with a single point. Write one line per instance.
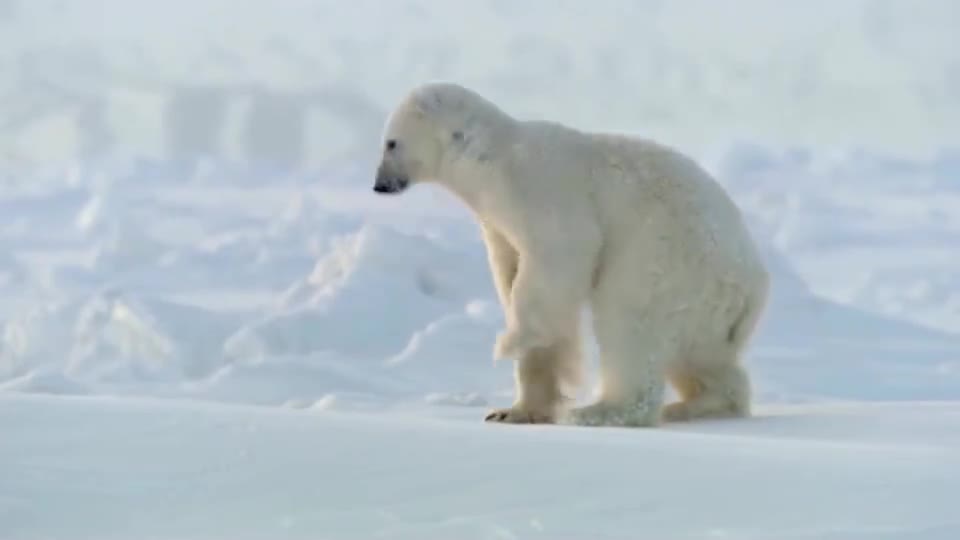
(474, 169)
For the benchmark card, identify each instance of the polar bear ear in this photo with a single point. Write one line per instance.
(470, 144)
(429, 103)
(461, 139)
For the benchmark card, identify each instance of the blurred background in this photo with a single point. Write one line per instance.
(836, 123)
(302, 82)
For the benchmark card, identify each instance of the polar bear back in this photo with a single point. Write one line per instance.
(633, 186)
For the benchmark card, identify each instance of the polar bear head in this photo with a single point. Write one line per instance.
(433, 132)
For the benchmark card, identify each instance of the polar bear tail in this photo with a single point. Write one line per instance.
(745, 324)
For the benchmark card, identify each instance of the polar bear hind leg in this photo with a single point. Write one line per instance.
(712, 381)
(632, 378)
(637, 339)
(721, 391)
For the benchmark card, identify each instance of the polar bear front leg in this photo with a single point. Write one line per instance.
(503, 260)
(552, 283)
(542, 306)
(541, 379)
(540, 375)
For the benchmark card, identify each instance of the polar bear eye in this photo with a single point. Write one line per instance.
(391, 145)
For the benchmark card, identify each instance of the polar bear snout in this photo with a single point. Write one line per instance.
(390, 185)
(389, 181)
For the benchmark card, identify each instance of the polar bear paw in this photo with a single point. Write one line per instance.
(676, 412)
(520, 415)
(701, 408)
(638, 414)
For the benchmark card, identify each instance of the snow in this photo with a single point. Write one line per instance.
(228, 347)
(140, 468)
(200, 359)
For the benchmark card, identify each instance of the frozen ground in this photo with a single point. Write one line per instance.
(195, 353)
(133, 468)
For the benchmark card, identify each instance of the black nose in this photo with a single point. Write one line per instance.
(391, 185)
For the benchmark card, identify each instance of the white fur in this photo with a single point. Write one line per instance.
(632, 229)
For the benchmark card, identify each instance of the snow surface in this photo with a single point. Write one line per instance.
(136, 468)
(303, 359)
(218, 349)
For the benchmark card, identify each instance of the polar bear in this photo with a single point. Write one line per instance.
(629, 228)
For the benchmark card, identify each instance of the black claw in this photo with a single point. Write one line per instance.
(499, 416)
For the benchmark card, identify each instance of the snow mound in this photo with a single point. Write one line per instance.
(112, 337)
(94, 214)
(870, 230)
(455, 351)
(286, 381)
(44, 382)
(469, 399)
(127, 247)
(357, 289)
(284, 294)
(11, 271)
(36, 338)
